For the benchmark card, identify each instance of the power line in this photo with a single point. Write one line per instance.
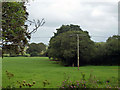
(41, 37)
(90, 36)
(100, 36)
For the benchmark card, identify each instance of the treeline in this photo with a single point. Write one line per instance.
(35, 49)
(31, 50)
(107, 53)
(63, 47)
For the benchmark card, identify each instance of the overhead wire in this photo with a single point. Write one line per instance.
(90, 36)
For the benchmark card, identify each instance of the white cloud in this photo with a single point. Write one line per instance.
(97, 13)
(98, 17)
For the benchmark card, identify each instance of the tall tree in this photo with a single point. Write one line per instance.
(14, 30)
(65, 28)
(64, 47)
(15, 34)
(36, 49)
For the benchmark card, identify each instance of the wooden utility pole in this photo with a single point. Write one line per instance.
(78, 49)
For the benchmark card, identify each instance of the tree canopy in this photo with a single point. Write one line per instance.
(36, 49)
(107, 53)
(14, 30)
(63, 45)
(15, 33)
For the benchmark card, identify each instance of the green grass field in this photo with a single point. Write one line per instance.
(39, 69)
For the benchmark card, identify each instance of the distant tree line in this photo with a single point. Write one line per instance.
(31, 50)
(35, 49)
(63, 47)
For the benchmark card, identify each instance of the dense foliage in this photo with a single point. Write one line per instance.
(107, 53)
(36, 49)
(14, 30)
(63, 45)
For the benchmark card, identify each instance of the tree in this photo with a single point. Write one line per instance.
(113, 50)
(107, 53)
(14, 30)
(99, 53)
(15, 34)
(64, 47)
(36, 49)
(65, 28)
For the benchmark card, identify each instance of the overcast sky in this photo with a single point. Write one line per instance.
(98, 17)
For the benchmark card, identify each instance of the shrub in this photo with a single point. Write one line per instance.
(6, 55)
(92, 82)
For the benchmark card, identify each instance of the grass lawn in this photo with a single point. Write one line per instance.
(39, 69)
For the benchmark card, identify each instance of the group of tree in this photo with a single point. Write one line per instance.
(107, 53)
(35, 49)
(63, 46)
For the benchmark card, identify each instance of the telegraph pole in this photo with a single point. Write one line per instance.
(78, 49)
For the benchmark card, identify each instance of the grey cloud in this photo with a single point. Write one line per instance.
(98, 18)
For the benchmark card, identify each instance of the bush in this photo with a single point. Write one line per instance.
(33, 54)
(26, 55)
(92, 82)
(6, 55)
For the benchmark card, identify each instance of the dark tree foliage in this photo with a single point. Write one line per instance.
(15, 33)
(65, 28)
(113, 50)
(63, 45)
(108, 53)
(100, 50)
(36, 49)
(14, 30)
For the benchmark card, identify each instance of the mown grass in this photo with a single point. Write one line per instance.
(39, 69)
